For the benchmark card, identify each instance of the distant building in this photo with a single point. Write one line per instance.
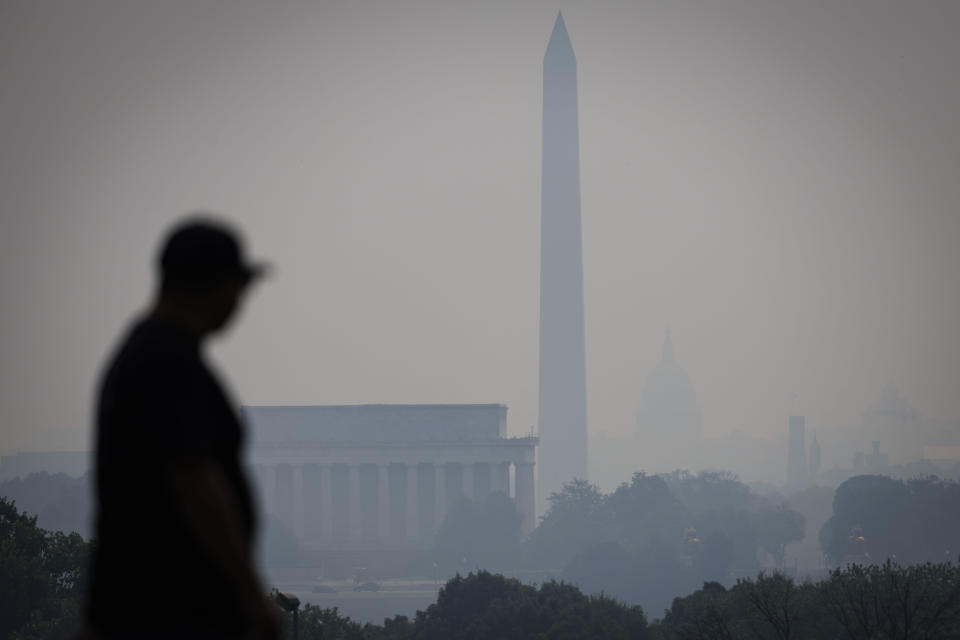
(797, 476)
(874, 462)
(893, 421)
(907, 436)
(892, 409)
(877, 461)
(668, 420)
(814, 458)
(859, 462)
(383, 476)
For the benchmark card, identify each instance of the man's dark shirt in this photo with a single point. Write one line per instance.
(160, 407)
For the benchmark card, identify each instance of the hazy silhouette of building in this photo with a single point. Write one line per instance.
(893, 421)
(814, 462)
(874, 462)
(859, 462)
(563, 392)
(668, 420)
(383, 476)
(796, 453)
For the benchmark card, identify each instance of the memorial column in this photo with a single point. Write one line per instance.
(526, 504)
(270, 488)
(326, 503)
(500, 477)
(440, 495)
(383, 502)
(413, 502)
(299, 504)
(468, 481)
(353, 506)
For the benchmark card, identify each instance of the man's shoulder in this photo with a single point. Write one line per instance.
(153, 339)
(148, 351)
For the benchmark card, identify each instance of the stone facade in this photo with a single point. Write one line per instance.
(383, 476)
(562, 417)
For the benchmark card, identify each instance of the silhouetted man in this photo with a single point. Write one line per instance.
(175, 519)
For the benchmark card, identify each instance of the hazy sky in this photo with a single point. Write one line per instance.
(778, 185)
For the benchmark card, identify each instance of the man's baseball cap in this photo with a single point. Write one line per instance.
(200, 251)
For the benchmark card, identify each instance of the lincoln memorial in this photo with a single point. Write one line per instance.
(383, 476)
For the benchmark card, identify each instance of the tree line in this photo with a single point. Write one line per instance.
(877, 602)
(42, 575)
(662, 535)
(707, 535)
(647, 541)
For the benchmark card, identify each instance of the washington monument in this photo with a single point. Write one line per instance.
(563, 388)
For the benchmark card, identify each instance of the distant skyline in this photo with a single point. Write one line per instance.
(774, 182)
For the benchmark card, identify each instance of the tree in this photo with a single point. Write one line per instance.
(739, 527)
(890, 601)
(646, 511)
(816, 506)
(777, 526)
(658, 536)
(606, 568)
(479, 534)
(483, 605)
(61, 502)
(279, 546)
(876, 602)
(577, 516)
(710, 490)
(716, 555)
(875, 518)
(650, 576)
(704, 615)
(773, 600)
(42, 575)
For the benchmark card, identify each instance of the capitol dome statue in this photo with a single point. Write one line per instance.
(668, 413)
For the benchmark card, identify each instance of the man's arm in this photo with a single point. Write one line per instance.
(212, 517)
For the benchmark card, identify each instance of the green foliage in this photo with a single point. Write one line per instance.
(876, 518)
(41, 578)
(890, 601)
(710, 490)
(885, 602)
(327, 624)
(649, 576)
(577, 516)
(647, 511)
(279, 547)
(484, 605)
(658, 536)
(606, 567)
(774, 607)
(816, 506)
(706, 614)
(776, 527)
(732, 534)
(479, 534)
(61, 502)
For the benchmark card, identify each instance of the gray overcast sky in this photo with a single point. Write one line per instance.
(777, 183)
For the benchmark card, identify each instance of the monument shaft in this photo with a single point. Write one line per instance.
(563, 403)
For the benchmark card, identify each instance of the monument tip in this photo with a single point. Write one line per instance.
(559, 26)
(560, 39)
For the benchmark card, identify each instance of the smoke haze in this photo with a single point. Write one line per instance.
(777, 185)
